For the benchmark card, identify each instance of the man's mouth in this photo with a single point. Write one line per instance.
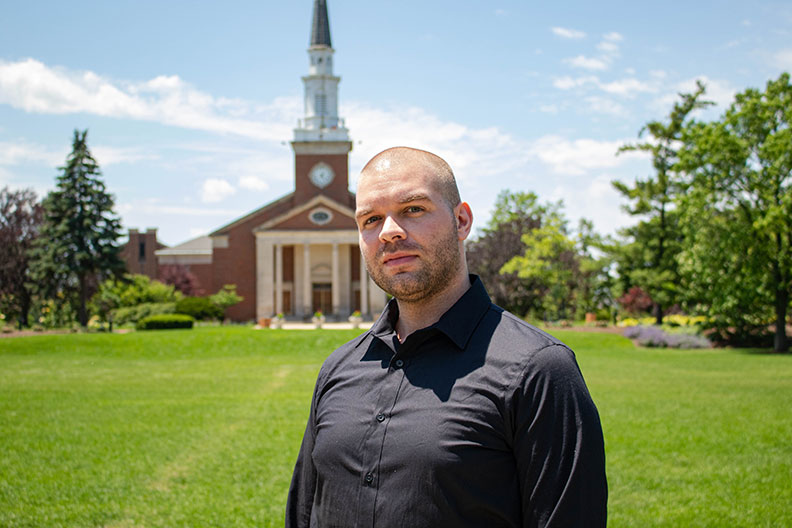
(398, 259)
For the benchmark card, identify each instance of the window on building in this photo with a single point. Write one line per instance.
(142, 251)
(320, 103)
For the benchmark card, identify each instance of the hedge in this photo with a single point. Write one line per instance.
(165, 321)
(201, 308)
(133, 314)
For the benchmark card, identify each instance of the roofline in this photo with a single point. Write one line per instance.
(222, 230)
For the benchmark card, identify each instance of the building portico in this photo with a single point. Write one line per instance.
(302, 272)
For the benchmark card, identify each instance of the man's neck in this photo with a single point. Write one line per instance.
(416, 315)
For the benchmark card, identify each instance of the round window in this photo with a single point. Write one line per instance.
(320, 216)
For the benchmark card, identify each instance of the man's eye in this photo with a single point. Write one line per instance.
(414, 209)
(370, 220)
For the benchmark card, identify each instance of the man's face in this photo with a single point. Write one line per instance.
(408, 233)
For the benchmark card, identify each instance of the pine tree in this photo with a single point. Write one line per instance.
(77, 246)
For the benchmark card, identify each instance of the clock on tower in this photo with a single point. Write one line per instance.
(321, 175)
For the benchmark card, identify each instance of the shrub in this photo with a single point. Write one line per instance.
(636, 300)
(199, 308)
(165, 321)
(654, 336)
(133, 314)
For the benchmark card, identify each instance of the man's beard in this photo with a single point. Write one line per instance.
(438, 266)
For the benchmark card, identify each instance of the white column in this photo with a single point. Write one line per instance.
(336, 282)
(278, 278)
(307, 288)
(378, 299)
(364, 304)
(264, 278)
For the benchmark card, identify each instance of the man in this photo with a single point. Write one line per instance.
(449, 412)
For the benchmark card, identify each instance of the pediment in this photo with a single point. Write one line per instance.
(318, 213)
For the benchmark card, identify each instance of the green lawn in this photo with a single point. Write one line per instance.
(201, 428)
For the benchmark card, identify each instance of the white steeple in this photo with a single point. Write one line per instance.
(321, 121)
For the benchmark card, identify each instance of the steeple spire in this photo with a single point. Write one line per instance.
(320, 30)
(321, 121)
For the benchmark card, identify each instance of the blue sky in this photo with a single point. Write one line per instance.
(190, 105)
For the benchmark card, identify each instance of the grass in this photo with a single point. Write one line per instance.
(201, 428)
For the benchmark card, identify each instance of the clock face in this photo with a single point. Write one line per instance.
(321, 175)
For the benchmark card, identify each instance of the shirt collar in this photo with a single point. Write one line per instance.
(458, 323)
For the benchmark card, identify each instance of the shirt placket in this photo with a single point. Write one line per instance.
(373, 446)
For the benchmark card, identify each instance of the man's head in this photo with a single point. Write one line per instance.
(412, 223)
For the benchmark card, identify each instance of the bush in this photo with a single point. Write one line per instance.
(654, 336)
(165, 321)
(133, 314)
(200, 308)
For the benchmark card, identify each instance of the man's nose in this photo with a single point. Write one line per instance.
(391, 230)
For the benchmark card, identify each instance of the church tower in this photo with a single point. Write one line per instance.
(321, 141)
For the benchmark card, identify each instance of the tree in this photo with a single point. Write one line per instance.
(226, 297)
(181, 278)
(649, 257)
(549, 258)
(20, 220)
(737, 211)
(570, 277)
(514, 214)
(78, 244)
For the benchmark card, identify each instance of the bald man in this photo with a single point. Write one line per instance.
(449, 411)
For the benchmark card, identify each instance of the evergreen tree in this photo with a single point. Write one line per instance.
(648, 258)
(77, 246)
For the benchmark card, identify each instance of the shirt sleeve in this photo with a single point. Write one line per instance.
(303, 484)
(558, 444)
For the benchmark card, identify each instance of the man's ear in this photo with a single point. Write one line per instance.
(464, 220)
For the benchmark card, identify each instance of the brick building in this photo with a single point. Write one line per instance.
(299, 253)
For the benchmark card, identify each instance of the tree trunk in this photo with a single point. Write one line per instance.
(658, 314)
(780, 342)
(24, 309)
(82, 311)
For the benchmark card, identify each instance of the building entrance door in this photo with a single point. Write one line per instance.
(322, 297)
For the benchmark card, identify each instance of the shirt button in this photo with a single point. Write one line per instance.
(380, 417)
(369, 478)
(399, 363)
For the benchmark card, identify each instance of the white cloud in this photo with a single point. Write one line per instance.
(577, 157)
(37, 88)
(587, 63)
(627, 87)
(216, 190)
(254, 183)
(608, 47)
(567, 83)
(613, 37)
(603, 105)
(549, 108)
(15, 153)
(568, 33)
(783, 59)
(106, 156)
(175, 210)
(596, 200)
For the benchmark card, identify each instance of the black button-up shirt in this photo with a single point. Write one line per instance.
(479, 420)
